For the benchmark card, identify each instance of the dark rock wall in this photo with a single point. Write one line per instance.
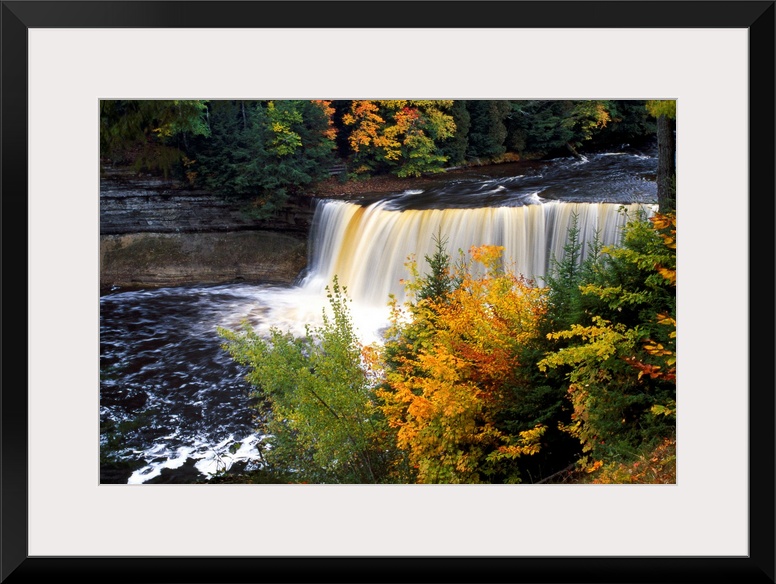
(155, 233)
(174, 259)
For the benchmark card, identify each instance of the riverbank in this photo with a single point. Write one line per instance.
(335, 187)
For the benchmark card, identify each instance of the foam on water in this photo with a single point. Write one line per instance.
(209, 459)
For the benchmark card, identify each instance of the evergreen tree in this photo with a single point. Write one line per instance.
(554, 127)
(487, 132)
(264, 151)
(439, 282)
(455, 148)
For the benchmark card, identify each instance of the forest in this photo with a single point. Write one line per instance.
(267, 151)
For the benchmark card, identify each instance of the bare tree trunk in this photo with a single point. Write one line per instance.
(666, 164)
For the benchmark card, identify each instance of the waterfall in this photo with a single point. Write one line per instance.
(367, 247)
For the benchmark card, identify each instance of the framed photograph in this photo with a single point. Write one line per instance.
(62, 518)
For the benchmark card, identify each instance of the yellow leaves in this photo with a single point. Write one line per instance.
(531, 439)
(664, 410)
(400, 132)
(656, 349)
(666, 320)
(487, 255)
(602, 340)
(363, 114)
(602, 116)
(668, 273)
(442, 391)
(663, 221)
(282, 120)
(527, 443)
(662, 107)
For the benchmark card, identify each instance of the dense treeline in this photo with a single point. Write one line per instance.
(266, 150)
(483, 376)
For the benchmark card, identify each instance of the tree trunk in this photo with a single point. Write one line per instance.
(666, 164)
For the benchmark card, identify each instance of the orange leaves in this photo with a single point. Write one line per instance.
(330, 132)
(594, 466)
(665, 356)
(665, 225)
(657, 466)
(487, 255)
(652, 371)
(442, 393)
(663, 221)
(368, 123)
(669, 274)
(400, 134)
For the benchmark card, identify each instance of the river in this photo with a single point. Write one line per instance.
(174, 408)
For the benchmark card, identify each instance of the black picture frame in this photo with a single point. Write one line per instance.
(19, 16)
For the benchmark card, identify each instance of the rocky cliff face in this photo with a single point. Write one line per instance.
(153, 232)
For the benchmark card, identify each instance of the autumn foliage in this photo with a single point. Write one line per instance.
(399, 136)
(486, 377)
(447, 382)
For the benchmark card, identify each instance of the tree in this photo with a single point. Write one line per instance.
(546, 127)
(563, 280)
(150, 134)
(264, 151)
(455, 148)
(323, 423)
(621, 366)
(487, 131)
(403, 137)
(665, 112)
(445, 387)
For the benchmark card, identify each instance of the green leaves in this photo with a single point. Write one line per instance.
(662, 107)
(323, 424)
(620, 368)
(150, 134)
(264, 151)
(403, 137)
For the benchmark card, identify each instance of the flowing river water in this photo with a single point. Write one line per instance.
(175, 408)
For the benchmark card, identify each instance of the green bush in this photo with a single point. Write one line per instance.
(322, 423)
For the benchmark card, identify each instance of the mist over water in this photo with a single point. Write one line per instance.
(174, 404)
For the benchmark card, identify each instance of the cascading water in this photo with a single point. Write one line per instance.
(175, 408)
(367, 247)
